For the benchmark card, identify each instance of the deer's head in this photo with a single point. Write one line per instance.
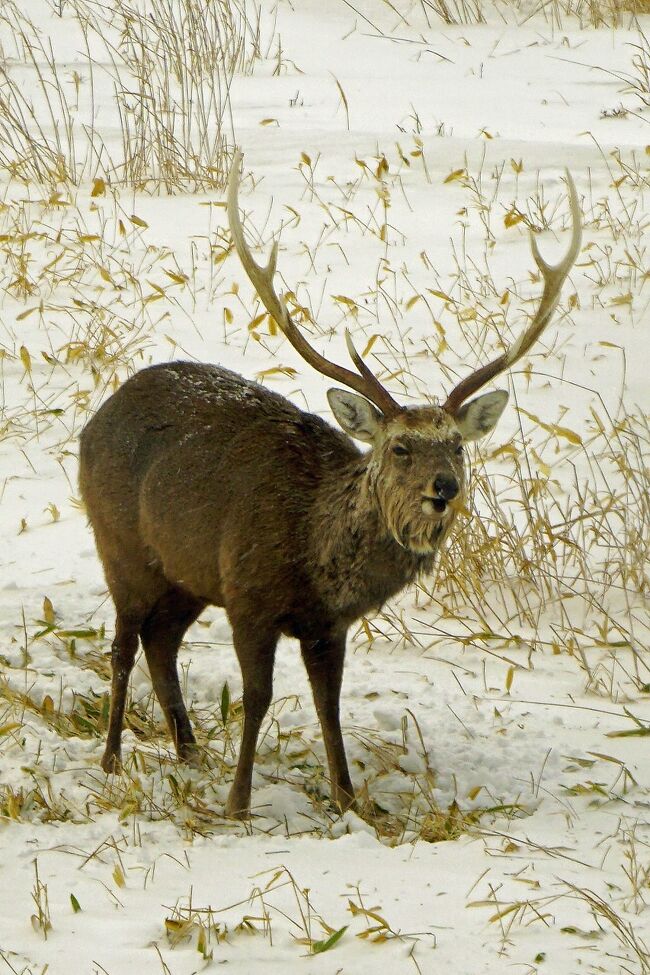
(416, 468)
(416, 465)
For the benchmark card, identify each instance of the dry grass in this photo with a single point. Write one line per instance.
(549, 544)
(559, 13)
(277, 896)
(162, 73)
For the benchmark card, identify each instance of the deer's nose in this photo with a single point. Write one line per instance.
(446, 487)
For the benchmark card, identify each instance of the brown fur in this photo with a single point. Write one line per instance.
(205, 488)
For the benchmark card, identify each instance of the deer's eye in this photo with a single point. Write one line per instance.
(400, 450)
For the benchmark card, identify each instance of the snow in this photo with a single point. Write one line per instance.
(512, 719)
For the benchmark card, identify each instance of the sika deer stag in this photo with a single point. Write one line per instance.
(203, 487)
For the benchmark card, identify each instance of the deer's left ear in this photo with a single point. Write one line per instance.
(480, 416)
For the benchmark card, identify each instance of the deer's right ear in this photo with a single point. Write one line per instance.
(356, 415)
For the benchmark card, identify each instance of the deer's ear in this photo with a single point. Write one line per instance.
(480, 416)
(356, 415)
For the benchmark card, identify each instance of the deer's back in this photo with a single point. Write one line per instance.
(160, 406)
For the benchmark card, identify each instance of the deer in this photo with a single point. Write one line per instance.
(204, 488)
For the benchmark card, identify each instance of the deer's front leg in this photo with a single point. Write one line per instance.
(324, 662)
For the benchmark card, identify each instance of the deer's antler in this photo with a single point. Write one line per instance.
(554, 277)
(262, 279)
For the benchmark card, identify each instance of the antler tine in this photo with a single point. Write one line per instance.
(361, 366)
(554, 277)
(262, 280)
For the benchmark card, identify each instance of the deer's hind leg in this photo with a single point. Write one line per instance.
(255, 647)
(124, 649)
(161, 634)
(135, 589)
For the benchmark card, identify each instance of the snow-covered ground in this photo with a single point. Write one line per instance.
(496, 718)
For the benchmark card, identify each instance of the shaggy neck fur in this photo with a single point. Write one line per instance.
(363, 555)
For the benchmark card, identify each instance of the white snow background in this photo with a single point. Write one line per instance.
(503, 705)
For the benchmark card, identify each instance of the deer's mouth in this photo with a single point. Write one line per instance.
(433, 506)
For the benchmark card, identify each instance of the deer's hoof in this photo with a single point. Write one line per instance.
(111, 762)
(237, 808)
(345, 801)
(190, 754)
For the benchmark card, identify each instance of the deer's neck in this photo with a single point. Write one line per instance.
(358, 564)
